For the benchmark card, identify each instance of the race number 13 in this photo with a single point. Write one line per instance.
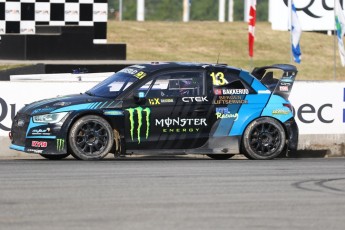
(218, 78)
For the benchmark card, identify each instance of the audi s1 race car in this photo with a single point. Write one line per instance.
(166, 108)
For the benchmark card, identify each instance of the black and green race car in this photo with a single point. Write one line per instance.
(166, 108)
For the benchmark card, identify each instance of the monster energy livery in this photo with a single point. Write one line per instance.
(166, 108)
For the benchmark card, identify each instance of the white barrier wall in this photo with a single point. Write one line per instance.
(319, 107)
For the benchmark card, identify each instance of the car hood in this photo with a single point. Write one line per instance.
(68, 103)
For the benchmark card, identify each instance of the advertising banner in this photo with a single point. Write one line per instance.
(314, 15)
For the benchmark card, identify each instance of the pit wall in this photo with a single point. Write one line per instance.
(319, 110)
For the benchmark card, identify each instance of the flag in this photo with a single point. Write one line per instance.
(251, 26)
(296, 32)
(340, 25)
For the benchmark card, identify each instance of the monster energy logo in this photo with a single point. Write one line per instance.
(139, 111)
(60, 144)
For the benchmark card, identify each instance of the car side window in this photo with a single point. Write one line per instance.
(175, 84)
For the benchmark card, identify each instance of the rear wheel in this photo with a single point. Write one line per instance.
(263, 139)
(55, 157)
(220, 156)
(91, 138)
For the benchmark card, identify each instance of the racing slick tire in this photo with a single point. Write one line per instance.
(263, 139)
(220, 156)
(90, 138)
(55, 157)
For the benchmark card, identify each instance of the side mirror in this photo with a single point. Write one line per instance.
(139, 97)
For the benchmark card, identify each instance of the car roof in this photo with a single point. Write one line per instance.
(157, 66)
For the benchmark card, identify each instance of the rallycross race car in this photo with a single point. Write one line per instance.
(166, 108)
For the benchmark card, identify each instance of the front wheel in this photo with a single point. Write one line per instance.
(263, 139)
(90, 138)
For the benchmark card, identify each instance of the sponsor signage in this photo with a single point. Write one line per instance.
(312, 14)
(229, 100)
(60, 144)
(223, 112)
(137, 117)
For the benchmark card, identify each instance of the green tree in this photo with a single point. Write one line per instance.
(204, 10)
(261, 10)
(163, 10)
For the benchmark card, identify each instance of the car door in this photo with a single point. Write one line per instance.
(168, 112)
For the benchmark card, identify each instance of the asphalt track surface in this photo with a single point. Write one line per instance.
(172, 193)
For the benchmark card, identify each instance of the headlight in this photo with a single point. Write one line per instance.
(49, 118)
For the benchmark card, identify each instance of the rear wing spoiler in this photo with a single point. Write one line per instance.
(282, 86)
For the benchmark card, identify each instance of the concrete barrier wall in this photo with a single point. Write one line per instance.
(319, 110)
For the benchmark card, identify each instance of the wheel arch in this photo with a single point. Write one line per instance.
(81, 114)
(280, 122)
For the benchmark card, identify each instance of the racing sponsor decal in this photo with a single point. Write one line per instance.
(60, 144)
(35, 151)
(284, 88)
(43, 110)
(223, 112)
(281, 112)
(217, 91)
(39, 144)
(229, 100)
(134, 72)
(62, 103)
(181, 122)
(154, 101)
(181, 125)
(218, 78)
(194, 99)
(140, 119)
(113, 113)
(41, 132)
(158, 101)
(235, 91)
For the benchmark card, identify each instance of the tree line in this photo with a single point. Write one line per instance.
(171, 10)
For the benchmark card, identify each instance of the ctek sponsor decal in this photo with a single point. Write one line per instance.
(139, 111)
(223, 112)
(60, 144)
(194, 99)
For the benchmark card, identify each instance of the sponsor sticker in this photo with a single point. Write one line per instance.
(280, 112)
(284, 88)
(223, 112)
(41, 132)
(34, 151)
(39, 144)
(230, 100)
(217, 91)
(60, 144)
(180, 122)
(43, 110)
(235, 91)
(194, 99)
(142, 115)
(113, 113)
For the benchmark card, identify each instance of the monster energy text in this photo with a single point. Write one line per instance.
(139, 111)
(60, 144)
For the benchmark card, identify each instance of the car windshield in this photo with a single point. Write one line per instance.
(113, 85)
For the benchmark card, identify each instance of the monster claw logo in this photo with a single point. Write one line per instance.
(60, 144)
(139, 111)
